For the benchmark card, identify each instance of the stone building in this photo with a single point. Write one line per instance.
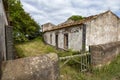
(79, 35)
(47, 26)
(5, 33)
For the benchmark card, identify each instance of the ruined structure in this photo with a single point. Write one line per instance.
(5, 33)
(103, 54)
(79, 35)
(47, 26)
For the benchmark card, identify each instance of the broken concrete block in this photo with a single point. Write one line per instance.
(44, 67)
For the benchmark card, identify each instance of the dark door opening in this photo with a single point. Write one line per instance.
(84, 38)
(56, 40)
(66, 41)
(50, 38)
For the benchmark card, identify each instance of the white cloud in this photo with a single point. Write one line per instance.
(29, 8)
(57, 11)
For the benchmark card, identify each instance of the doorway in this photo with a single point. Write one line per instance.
(56, 40)
(66, 41)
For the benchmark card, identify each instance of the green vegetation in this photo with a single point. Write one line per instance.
(33, 48)
(75, 18)
(24, 27)
(108, 72)
(111, 72)
(37, 47)
(70, 72)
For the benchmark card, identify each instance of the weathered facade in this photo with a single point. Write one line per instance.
(103, 29)
(65, 38)
(98, 29)
(5, 33)
(103, 54)
(47, 26)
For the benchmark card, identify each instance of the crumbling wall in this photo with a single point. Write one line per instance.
(102, 30)
(103, 54)
(74, 37)
(47, 26)
(44, 67)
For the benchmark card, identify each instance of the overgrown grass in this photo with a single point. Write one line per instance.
(108, 72)
(33, 48)
(37, 47)
(69, 72)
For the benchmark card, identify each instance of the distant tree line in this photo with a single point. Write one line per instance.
(24, 27)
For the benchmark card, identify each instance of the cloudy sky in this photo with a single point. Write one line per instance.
(57, 11)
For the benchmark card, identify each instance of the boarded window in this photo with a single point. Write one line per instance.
(66, 41)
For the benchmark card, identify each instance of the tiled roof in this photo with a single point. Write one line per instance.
(74, 23)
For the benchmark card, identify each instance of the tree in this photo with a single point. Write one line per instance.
(75, 18)
(24, 27)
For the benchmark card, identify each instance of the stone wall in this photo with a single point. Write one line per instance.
(9, 43)
(47, 26)
(103, 54)
(103, 29)
(6, 41)
(2, 11)
(3, 23)
(74, 37)
(119, 30)
(2, 39)
(44, 67)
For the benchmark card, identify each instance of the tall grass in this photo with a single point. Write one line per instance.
(37, 47)
(33, 48)
(108, 72)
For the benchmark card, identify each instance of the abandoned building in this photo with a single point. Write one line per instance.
(47, 26)
(79, 35)
(6, 44)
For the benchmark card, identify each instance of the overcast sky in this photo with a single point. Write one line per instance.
(57, 11)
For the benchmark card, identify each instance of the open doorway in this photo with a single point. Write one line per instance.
(56, 40)
(66, 41)
(50, 38)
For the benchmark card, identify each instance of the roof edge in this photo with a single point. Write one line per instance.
(81, 22)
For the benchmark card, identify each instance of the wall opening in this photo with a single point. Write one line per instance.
(66, 41)
(56, 40)
(84, 38)
(50, 38)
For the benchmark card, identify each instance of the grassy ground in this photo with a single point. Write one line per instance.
(69, 72)
(37, 47)
(109, 72)
(33, 48)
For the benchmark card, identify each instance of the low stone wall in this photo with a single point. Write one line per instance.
(44, 67)
(103, 54)
(9, 43)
